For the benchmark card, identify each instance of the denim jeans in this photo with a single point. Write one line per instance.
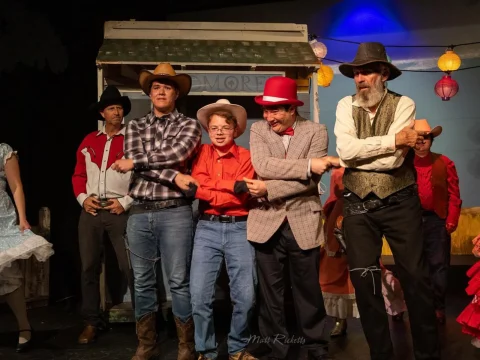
(215, 242)
(168, 234)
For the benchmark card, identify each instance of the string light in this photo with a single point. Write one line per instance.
(449, 47)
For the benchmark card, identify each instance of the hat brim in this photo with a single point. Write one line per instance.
(183, 81)
(259, 100)
(437, 130)
(101, 105)
(347, 68)
(238, 111)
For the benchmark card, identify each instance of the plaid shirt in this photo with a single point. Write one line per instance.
(160, 149)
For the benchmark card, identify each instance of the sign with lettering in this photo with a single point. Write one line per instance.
(229, 83)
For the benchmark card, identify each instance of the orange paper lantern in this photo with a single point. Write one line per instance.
(324, 75)
(449, 61)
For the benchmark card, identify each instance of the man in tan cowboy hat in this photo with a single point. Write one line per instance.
(289, 154)
(103, 195)
(375, 141)
(159, 148)
(439, 192)
(221, 233)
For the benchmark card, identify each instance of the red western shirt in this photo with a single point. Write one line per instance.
(93, 174)
(424, 168)
(217, 175)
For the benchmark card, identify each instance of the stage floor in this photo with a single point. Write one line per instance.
(57, 328)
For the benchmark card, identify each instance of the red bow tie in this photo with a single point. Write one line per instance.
(289, 131)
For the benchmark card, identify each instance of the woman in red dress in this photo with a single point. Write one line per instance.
(337, 289)
(470, 316)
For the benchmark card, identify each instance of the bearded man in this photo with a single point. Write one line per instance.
(375, 141)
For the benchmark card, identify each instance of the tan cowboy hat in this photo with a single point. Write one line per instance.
(165, 71)
(422, 125)
(367, 53)
(224, 105)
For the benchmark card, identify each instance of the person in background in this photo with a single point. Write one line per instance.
(337, 289)
(470, 316)
(103, 195)
(439, 191)
(17, 242)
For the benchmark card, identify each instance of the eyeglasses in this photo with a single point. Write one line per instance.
(223, 129)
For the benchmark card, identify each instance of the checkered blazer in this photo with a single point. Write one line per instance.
(291, 193)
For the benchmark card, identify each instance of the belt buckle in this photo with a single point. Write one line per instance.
(366, 207)
(224, 219)
(159, 205)
(393, 200)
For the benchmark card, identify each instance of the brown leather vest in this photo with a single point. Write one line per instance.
(381, 183)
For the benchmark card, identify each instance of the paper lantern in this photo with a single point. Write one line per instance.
(449, 61)
(324, 75)
(446, 88)
(319, 49)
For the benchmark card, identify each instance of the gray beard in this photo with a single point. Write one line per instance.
(372, 96)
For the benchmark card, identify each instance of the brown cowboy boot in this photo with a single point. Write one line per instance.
(186, 344)
(242, 355)
(88, 335)
(147, 338)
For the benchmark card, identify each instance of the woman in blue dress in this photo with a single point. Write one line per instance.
(17, 242)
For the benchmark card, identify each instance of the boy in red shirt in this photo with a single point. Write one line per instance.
(439, 191)
(221, 234)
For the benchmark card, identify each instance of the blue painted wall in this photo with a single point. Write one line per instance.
(459, 117)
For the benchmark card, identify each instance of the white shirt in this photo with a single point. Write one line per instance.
(377, 153)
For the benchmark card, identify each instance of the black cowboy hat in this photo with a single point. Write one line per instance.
(367, 53)
(111, 96)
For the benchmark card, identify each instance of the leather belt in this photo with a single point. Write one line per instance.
(352, 207)
(156, 205)
(223, 218)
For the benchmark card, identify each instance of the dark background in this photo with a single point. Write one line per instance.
(47, 81)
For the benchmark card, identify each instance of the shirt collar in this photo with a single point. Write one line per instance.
(121, 132)
(355, 103)
(151, 117)
(233, 150)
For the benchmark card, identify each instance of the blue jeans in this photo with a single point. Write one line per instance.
(167, 234)
(213, 243)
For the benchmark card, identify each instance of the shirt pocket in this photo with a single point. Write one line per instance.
(172, 132)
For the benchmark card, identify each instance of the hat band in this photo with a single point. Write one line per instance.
(163, 74)
(274, 99)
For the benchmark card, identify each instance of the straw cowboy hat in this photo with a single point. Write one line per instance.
(224, 105)
(279, 90)
(367, 53)
(422, 125)
(165, 71)
(111, 96)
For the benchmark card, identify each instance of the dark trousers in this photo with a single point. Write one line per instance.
(436, 247)
(272, 257)
(401, 224)
(91, 231)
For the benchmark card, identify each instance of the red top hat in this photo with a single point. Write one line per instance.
(279, 90)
